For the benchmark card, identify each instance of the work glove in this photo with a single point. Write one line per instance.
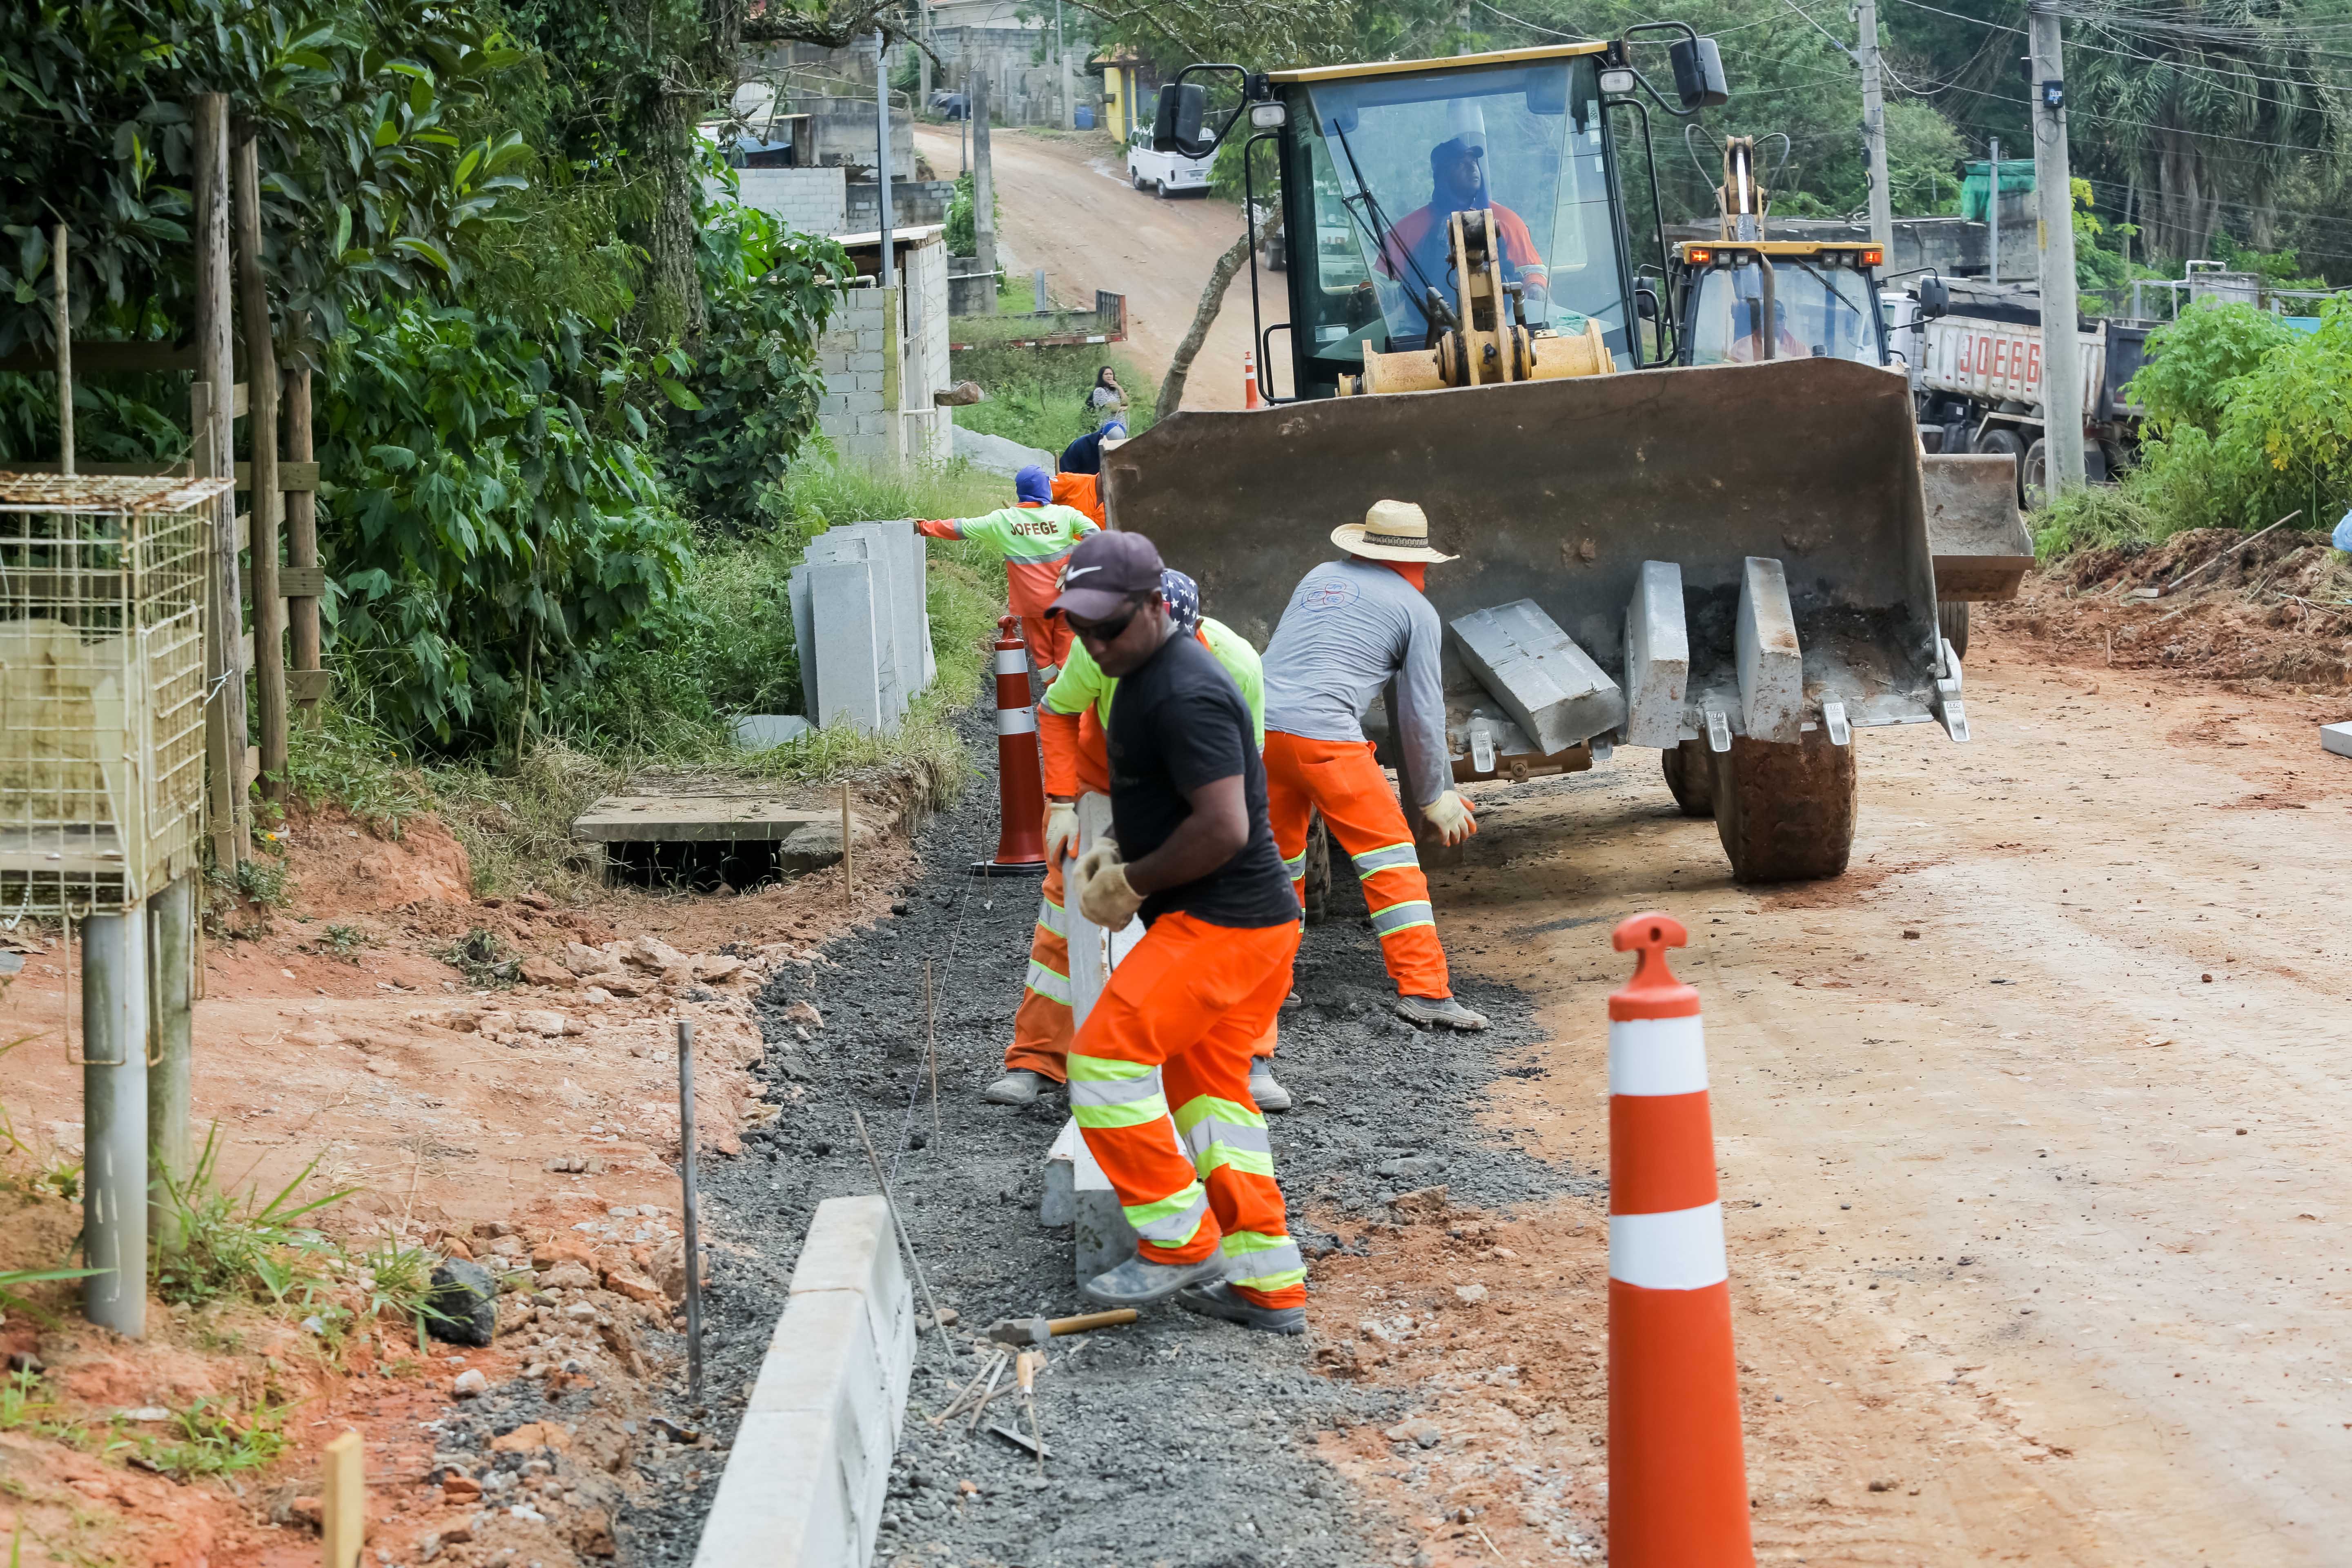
(1104, 896)
(1450, 815)
(1061, 830)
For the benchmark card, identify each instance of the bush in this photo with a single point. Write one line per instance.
(2191, 363)
(1038, 397)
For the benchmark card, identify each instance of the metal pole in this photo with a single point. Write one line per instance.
(1874, 131)
(691, 1209)
(1062, 52)
(171, 937)
(984, 192)
(889, 276)
(65, 359)
(2053, 187)
(114, 1120)
(1992, 206)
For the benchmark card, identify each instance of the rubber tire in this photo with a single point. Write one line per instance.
(1317, 890)
(2009, 443)
(1690, 776)
(1785, 813)
(1159, 190)
(1136, 181)
(1952, 621)
(2033, 477)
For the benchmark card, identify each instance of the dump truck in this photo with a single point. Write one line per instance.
(1737, 564)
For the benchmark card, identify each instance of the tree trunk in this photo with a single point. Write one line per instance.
(1212, 300)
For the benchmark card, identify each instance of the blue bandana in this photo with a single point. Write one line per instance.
(1183, 599)
(1033, 485)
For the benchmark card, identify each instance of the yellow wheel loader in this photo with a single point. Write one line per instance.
(1735, 563)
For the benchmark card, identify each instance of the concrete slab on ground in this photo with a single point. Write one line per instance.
(703, 818)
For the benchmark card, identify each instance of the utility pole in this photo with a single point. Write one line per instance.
(1062, 52)
(1992, 205)
(2053, 186)
(114, 1119)
(1874, 133)
(984, 192)
(888, 275)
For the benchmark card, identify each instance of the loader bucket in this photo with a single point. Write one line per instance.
(1559, 490)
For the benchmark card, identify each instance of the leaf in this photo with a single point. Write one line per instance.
(678, 392)
(426, 248)
(399, 459)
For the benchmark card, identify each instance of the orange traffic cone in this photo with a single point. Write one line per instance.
(1019, 771)
(1677, 1478)
(1249, 378)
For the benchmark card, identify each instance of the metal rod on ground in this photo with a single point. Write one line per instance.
(65, 360)
(931, 1043)
(172, 933)
(848, 848)
(906, 1242)
(691, 1210)
(114, 1117)
(2199, 570)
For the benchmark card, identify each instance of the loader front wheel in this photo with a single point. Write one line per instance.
(1317, 893)
(1690, 776)
(1785, 813)
(1952, 622)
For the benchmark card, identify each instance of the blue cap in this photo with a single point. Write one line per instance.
(1033, 485)
(1113, 427)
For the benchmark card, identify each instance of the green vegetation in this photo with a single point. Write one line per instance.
(211, 1438)
(482, 957)
(1038, 397)
(244, 1248)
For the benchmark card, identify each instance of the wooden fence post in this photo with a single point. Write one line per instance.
(305, 583)
(342, 1500)
(261, 380)
(213, 408)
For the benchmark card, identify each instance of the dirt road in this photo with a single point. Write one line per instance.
(2032, 1130)
(1068, 208)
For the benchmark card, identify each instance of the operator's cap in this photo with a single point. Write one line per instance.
(1104, 571)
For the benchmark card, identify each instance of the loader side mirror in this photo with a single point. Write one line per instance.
(1699, 73)
(1176, 124)
(1935, 298)
(1646, 303)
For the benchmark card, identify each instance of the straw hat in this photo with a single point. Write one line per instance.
(1392, 531)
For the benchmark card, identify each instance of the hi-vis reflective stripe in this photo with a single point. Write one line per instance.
(1387, 922)
(1106, 1092)
(1224, 1132)
(1173, 1221)
(1387, 858)
(1052, 916)
(1013, 661)
(1053, 987)
(1681, 1250)
(1657, 1056)
(1296, 865)
(1261, 1262)
(1020, 720)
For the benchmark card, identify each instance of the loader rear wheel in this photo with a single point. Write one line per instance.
(1785, 813)
(1690, 776)
(1952, 621)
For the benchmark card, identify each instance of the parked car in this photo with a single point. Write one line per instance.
(1167, 174)
(949, 105)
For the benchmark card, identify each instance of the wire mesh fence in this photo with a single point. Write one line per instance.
(102, 591)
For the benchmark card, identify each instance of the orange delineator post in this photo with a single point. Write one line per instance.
(1019, 770)
(1678, 1476)
(1249, 378)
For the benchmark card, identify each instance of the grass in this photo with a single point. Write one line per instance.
(343, 942)
(399, 1279)
(1038, 397)
(210, 1439)
(244, 1248)
(482, 957)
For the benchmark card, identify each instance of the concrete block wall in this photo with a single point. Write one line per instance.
(809, 201)
(807, 1478)
(861, 621)
(912, 202)
(851, 357)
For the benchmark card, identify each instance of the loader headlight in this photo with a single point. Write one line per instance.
(1268, 116)
(1617, 83)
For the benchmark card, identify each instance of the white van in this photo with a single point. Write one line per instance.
(1165, 172)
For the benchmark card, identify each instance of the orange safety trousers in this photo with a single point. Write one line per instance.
(1162, 1064)
(1042, 1027)
(1340, 779)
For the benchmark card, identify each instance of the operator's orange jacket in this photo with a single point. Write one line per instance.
(1083, 492)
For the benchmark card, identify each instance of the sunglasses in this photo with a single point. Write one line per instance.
(1104, 631)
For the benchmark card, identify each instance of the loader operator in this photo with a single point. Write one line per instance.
(1071, 721)
(1192, 852)
(1351, 624)
(1419, 251)
(1035, 536)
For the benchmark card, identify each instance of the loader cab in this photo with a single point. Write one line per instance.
(1738, 302)
(1375, 158)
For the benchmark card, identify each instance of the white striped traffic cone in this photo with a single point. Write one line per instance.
(1249, 378)
(1677, 1478)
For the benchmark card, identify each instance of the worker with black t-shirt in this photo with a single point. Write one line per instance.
(1192, 851)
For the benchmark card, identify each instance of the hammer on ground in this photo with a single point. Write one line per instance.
(1037, 1330)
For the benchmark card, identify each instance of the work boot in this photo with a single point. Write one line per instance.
(1019, 1087)
(1266, 1094)
(1443, 1010)
(1221, 1300)
(1138, 1283)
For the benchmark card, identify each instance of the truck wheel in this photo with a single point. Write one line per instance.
(1690, 776)
(1135, 179)
(2009, 443)
(1785, 813)
(1318, 870)
(2033, 477)
(1952, 621)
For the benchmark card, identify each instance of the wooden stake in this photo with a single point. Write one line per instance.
(1030, 1361)
(65, 360)
(261, 421)
(343, 1499)
(848, 885)
(302, 534)
(225, 718)
(931, 1043)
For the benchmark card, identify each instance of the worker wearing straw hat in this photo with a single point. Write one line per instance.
(1351, 627)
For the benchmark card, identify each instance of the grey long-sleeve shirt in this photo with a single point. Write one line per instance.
(1350, 626)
